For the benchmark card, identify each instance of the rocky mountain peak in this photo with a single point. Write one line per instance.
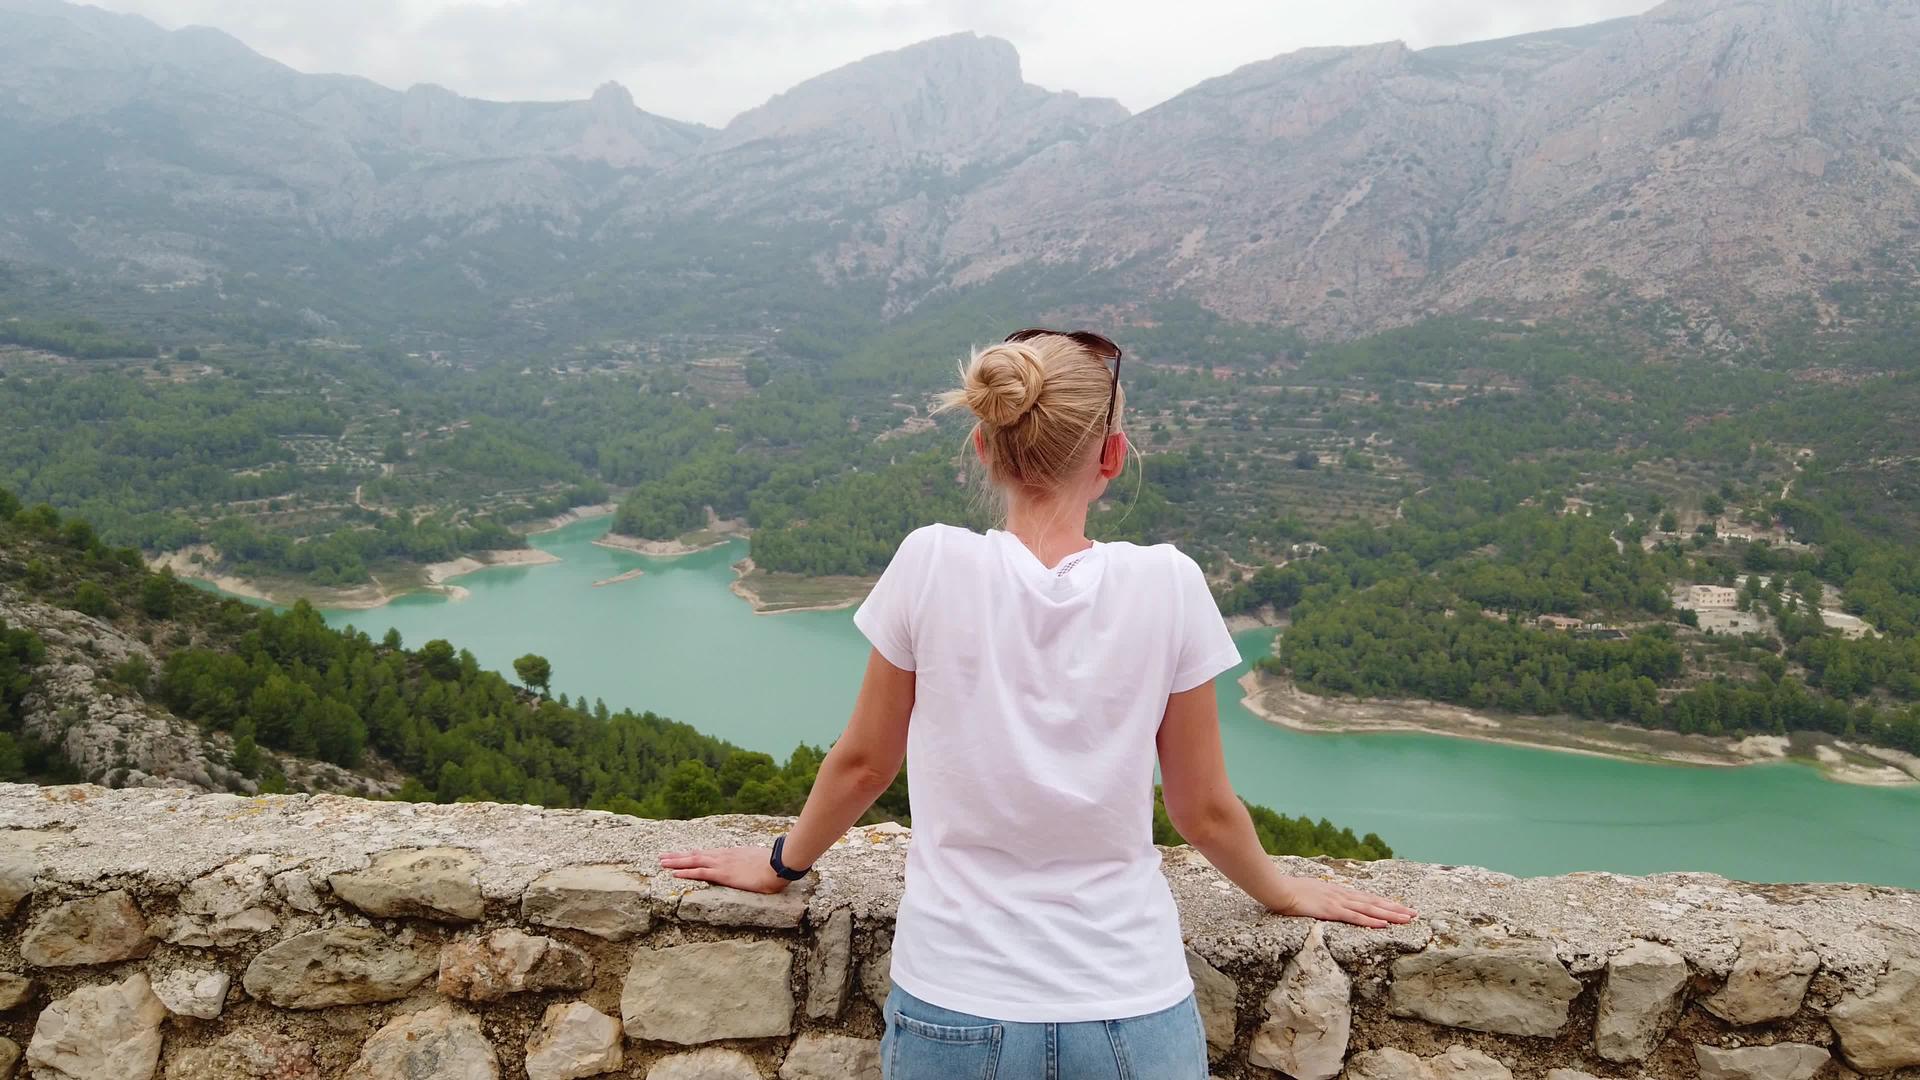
(610, 97)
(950, 94)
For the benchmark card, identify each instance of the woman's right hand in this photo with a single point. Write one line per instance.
(1311, 898)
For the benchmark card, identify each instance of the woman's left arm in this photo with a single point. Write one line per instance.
(858, 770)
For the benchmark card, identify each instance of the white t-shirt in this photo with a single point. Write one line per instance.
(1034, 892)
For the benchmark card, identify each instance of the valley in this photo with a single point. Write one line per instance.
(1465, 373)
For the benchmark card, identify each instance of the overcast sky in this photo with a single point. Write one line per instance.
(707, 60)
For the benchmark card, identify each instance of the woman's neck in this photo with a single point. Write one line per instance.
(1050, 528)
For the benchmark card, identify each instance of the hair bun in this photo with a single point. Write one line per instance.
(1004, 383)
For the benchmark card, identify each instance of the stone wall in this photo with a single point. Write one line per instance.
(191, 936)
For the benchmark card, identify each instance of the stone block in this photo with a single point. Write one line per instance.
(225, 907)
(340, 965)
(1503, 986)
(1881, 1031)
(1639, 1001)
(295, 889)
(247, 1055)
(876, 977)
(690, 994)
(1462, 1063)
(10, 1053)
(830, 967)
(101, 929)
(424, 883)
(832, 1057)
(19, 864)
(600, 900)
(15, 991)
(574, 1039)
(1786, 1061)
(109, 1032)
(1309, 1016)
(441, 1043)
(717, 906)
(491, 966)
(1386, 1064)
(195, 992)
(711, 1064)
(1219, 999)
(1769, 978)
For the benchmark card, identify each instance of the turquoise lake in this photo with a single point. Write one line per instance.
(678, 642)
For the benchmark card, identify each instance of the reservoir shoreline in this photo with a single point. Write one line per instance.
(680, 643)
(1275, 700)
(1280, 702)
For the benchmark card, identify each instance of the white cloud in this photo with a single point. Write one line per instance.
(707, 60)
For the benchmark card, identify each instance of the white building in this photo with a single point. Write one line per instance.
(1712, 596)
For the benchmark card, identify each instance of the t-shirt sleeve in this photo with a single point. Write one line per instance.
(1205, 647)
(886, 617)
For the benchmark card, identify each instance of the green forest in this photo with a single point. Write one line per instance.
(1411, 502)
(285, 681)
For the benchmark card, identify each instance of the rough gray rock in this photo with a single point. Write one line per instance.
(15, 991)
(1462, 1063)
(1881, 1030)
(1769, 978)
(341, 965)
(507, 961)
(1309, 1016)
(1387, 1064)
(109, 1032)
(18, 865)
(99, 929)
(195, 992)
(1639, 1001)
(428, 883)
(1504, 986)
(1219, 1000)
(691, 994)
(830, 967)
(10, 1053)
(441, 1043)
(574, 1039)
(226, 907)
(1785, 1061)
(832, 1057)
(709, 1064)
(247, 1055)
(601, 900)
(295, 889)
(731, 907)
(876, 977)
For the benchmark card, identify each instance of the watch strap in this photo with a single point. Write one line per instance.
(780, 868)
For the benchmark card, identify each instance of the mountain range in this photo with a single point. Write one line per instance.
(1730, 160)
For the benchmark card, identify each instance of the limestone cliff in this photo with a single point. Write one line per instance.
(1726, 160)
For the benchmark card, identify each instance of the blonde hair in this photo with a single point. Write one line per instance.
(1039, 403)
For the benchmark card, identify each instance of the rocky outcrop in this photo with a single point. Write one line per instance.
(569, 955)
(113, 736)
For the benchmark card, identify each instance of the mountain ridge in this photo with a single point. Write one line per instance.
(1726, 160)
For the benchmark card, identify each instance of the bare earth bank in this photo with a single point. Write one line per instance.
(772, 593)
(285, 591)
(1278, 701)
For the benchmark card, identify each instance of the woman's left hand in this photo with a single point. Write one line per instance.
(746, 868)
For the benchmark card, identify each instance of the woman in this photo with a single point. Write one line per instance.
(1033, 677)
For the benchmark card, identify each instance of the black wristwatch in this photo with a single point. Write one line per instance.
(785, 872)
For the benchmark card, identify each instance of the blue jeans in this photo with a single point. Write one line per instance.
(925, 1042)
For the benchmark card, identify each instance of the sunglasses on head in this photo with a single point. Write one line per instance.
(1092, 342)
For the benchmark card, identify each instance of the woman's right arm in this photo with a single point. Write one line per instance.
(1201, 802)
